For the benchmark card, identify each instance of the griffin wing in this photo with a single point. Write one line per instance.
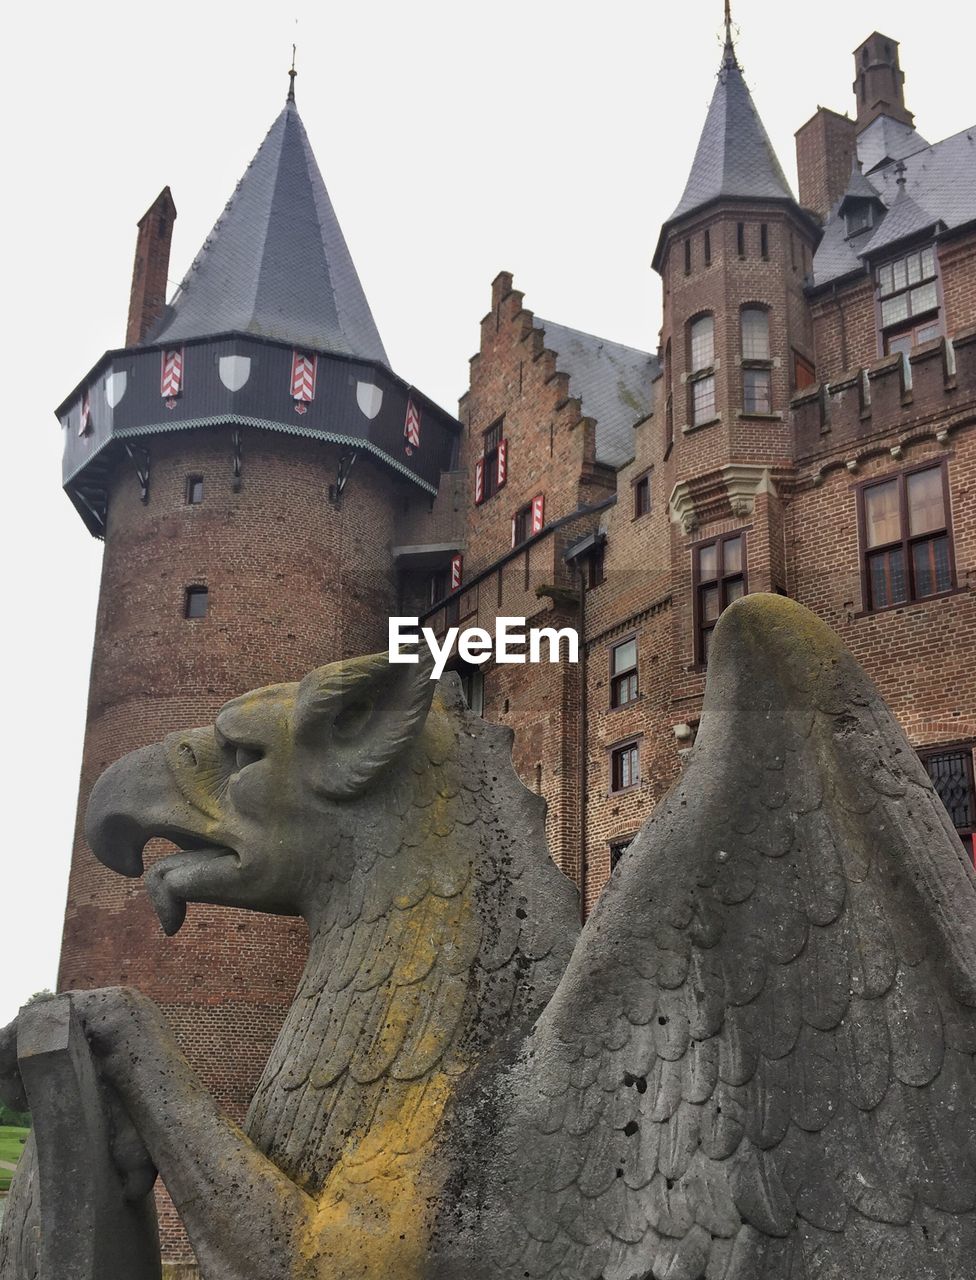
(759, 1064)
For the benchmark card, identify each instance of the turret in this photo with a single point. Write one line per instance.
(214, 454)
(733, 256)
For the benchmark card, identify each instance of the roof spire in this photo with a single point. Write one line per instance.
(729, 59)
(291, 78)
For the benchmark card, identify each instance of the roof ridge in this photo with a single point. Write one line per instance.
(586, 333)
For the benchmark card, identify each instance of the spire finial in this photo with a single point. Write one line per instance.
(729, 60)
(901, 170)
(291, 77)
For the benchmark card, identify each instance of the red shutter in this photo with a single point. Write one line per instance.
(479, 481)
(457, 565)
(538, 512)
(502, 461)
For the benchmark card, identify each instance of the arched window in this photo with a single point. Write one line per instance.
(702, 351)
(701, 369)
(757, 372)
(755, 333)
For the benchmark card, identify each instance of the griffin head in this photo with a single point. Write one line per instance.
(285, 772)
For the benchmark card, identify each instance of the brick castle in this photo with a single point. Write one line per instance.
(269, 491)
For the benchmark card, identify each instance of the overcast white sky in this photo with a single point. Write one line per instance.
(456, 139)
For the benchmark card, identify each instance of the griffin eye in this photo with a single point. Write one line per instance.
(244, 756)
(352, 719)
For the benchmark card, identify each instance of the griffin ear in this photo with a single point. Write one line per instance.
(356, 717)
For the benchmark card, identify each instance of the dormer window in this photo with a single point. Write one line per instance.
(859, 217)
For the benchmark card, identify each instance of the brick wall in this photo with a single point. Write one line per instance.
(825, 149)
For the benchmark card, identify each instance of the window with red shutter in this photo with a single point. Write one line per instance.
(538, 513)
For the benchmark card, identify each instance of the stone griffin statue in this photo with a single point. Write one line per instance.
(756, 1062)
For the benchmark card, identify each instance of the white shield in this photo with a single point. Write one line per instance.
(369, 398)
(234, 371)
(115, 388)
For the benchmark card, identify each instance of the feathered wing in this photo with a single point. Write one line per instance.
(760, 1062)
(434, 943)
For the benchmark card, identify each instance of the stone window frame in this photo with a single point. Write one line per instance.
(928, 755)
(722, 580)
(906, 541)
(757, 366)
(917, 326)
(616, 753)
(619, 678)
(700, 377)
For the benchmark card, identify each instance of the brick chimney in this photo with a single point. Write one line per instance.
(879, 84)
(150, 269)
(824, 153)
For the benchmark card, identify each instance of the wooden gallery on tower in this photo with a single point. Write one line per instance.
(270, 491)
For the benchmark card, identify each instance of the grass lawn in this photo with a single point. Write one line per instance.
(10, 1149)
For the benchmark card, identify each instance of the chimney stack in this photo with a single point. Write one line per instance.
(825, 148)
(879, 84)
(151, 267)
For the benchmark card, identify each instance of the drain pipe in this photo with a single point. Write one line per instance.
(582, 761)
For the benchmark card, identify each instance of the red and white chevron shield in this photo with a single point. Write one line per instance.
(171, 375)
(303, 376)
(411, 428)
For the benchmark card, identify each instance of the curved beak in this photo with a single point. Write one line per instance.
(135, 799)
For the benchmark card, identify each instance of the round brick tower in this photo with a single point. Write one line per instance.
(214, 456)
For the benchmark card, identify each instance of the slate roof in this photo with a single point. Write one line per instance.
(939, 191)
(858, 188)
(612, 382)
(906, 218)
(735, 156)
(885, 140)
(276, 263)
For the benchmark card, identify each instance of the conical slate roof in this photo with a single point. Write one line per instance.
(735, 156)
(276, 263)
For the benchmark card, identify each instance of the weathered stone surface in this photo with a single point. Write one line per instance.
(758, 1062)
(86, 1208)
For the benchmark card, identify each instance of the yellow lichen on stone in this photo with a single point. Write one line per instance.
(373, 1216)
